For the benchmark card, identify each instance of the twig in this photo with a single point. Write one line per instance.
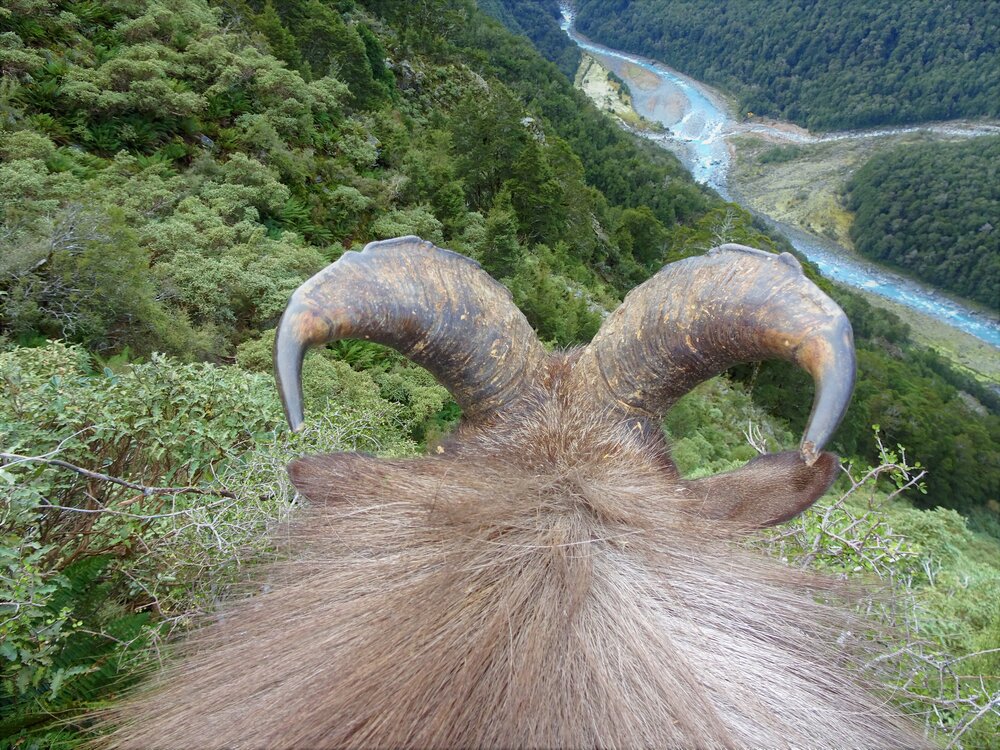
(145, 490)
(979, 714)
(139, 516)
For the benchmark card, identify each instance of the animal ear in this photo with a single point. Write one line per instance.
(362, 480)
(322, 478)
(769, 490)
(354, 477)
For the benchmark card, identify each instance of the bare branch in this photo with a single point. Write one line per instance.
(145, 490)
(754, 435)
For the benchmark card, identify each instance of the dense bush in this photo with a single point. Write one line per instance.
(133, 498)
(124, 227)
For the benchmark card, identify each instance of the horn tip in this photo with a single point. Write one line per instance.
(292, 403)
(808, 452)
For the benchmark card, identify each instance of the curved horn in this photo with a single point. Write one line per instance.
(436, 307)
(702, 315)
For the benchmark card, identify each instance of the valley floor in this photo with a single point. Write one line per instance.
(800, 184)
(803, 188)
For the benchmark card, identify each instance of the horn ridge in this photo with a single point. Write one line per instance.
(697, 317)
(436, 307)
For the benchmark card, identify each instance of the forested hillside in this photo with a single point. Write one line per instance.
(167, 181)
(134, 227)
(826, 65)
(540, 23)
(933, 210)
(171, 169)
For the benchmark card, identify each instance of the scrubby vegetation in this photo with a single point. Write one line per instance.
(829, 65)
(930, 209)
(171, 169)
(99, 561)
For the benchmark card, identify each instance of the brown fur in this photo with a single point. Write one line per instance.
(545, 582)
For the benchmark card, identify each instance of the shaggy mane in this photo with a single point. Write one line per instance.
(543, 584)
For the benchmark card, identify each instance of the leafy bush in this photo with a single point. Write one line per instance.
(709, 429)
(780, 154)
(97, 558)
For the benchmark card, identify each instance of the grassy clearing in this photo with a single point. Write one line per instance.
(800, 184)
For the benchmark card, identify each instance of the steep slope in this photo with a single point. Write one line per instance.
(171, 171)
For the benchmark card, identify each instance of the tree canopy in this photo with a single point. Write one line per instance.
(933, 210)
(827, 65)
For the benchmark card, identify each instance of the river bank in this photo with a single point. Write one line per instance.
(799, 189)
(801, 185)
(611, 96)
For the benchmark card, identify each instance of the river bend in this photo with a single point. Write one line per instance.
(698, 122)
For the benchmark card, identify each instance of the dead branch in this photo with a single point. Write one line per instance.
(144, 489)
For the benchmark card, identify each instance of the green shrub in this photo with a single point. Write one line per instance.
(93, 571)
(780, 154)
